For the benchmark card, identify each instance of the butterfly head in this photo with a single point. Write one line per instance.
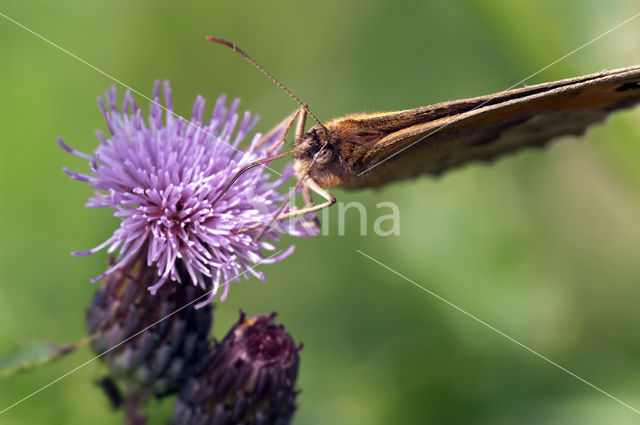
(315, 148)
(318, 155)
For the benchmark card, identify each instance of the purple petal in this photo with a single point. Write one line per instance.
(161, 177)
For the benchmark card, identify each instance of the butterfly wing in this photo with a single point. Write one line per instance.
(451, 134)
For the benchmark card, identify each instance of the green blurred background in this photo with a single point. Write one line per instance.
(543, 245)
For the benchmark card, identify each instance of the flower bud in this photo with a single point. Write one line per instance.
(150, 342)
(248, 378)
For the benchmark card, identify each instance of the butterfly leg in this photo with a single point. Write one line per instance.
(316, 188)
(308, 202)
(300, 114)
(274, 217)
(308, 184)
(301, 122)
(287, 122)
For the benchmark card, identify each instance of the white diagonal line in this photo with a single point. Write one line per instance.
(531, 350)
(509, 88)
(117, 81)
(132, 336)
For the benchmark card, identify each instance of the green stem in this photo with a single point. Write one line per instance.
(48, 353)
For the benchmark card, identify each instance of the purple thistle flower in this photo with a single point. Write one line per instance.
(165, 180)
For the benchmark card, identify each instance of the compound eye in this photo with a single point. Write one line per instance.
(324, 155)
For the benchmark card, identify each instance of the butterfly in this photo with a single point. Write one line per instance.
(360, 151)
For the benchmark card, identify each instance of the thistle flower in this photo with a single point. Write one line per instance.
(149, 342)
(248, 378)
(165, 179)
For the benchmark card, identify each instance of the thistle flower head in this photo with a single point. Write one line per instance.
(247, 378)
(165, 178)
(150, 342)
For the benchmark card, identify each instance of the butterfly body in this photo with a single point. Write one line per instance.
(372, 150)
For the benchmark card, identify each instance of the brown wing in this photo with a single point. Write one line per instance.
(451, 134)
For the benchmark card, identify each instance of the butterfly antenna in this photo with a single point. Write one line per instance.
(264, 71)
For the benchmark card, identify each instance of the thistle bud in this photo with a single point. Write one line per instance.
(248, 378)
(161, 336)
